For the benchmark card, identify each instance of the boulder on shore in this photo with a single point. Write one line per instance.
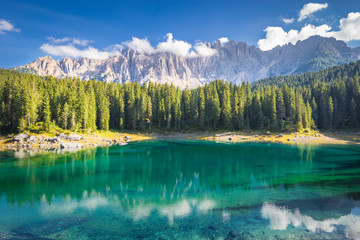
(31, 139)
(21, 137)
(70, 146)
(71, 137)
(53, 139)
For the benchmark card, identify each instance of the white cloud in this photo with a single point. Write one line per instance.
(280, 218)
(66, 47)
(349, 28)
(276, 36)
(288, 20)
(171, 45)
(114, 48)
(72, 51)
(140, 45)
(204, 50)
(6, 26)
(223, 40)
(309, 9)
(174, 46)
(73, 41)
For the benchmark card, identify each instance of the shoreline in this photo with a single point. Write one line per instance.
(78, 141)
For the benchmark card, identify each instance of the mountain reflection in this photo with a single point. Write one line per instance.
(164, 172)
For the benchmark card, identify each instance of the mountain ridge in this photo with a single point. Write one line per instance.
(234, 61)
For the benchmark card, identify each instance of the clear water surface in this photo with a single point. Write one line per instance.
(183, 190)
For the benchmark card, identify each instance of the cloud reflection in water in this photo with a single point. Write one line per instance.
(93, 201)
(281, 217)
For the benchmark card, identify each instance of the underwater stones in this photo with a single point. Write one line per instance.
(211, 227)
(121, 144)
(42, 230)
(231, 235)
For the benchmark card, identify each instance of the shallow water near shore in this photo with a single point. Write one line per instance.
(183, 190)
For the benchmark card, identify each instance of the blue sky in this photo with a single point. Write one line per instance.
(37, 26)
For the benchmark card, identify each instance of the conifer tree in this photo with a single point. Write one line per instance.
(331, 110)
(46, 113)
(299, 111)
(201, 108)
(226, 108)
(65, 115)
(149, 112)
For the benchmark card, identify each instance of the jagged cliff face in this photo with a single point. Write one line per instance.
(234, 61)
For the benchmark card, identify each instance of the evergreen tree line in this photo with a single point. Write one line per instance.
(328, 75)
(30, 102)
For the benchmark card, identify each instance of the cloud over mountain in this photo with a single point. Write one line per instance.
(223, 40)
(349, 29)
(74, 47)
(276, 36)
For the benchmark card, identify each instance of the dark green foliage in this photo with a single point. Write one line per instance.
(328, 99)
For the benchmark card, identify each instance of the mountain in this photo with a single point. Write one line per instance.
(234, 61)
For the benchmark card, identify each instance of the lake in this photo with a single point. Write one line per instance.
(183, 190)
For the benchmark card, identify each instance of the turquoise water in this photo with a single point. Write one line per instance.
(183, 190)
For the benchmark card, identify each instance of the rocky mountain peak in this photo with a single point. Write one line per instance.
(234, 61)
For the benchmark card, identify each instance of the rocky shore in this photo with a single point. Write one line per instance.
(305, 137)
(72, 142)
(65, 142)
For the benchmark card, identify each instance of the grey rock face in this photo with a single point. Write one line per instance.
(234, 61)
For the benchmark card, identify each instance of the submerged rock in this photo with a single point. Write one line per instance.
(121, 144)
